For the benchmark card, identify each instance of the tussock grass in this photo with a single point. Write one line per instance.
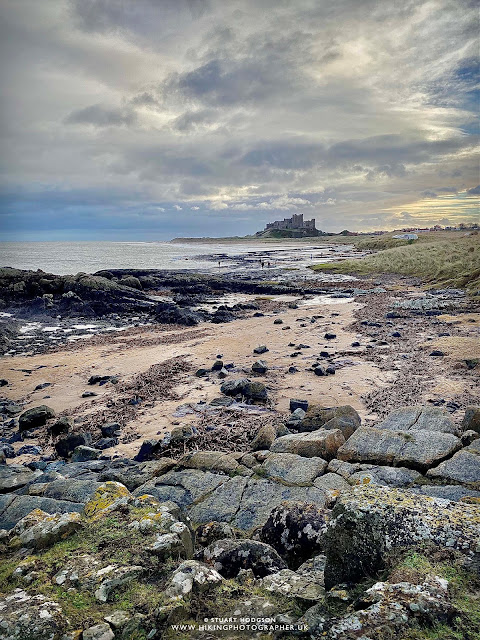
(453, 262)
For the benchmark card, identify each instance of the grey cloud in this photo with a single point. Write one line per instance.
(474, 191)
(429, 194)
(100, 116)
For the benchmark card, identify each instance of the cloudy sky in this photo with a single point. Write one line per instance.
(149, 119)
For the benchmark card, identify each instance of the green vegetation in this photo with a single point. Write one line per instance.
(439, 260)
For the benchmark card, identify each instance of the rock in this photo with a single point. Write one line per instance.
(222, 504)
(19, 506)
(244, 387)
(394, 608)
(182, 433)
(320, 371)
(296, 530)
(108, 497)
(96, 379)
(223, 373)
(89, 394)
(370, 522)
(131, 281)
(66, 446)
(290, 584)
(83, 454)
(111, 429)
(330, 336)
(413, 449)
(264, 438)
(436, 353)
(259, 366)
(147, 450)
(260, 350)
(14, 476)
(3, 382)
(62, 425)
(35, 617)
(321, 443)
(135, 475)
(471, 419)
(200, 373)
(298, 404)
(116, 577)
(216, 461)
(463, 467)
(453, 492)
(35, 417)
(101, 631)
(183, 487)
(418, 418)
(105, 443)
(389, 476)
(217, 365)
(190, 576)
(46, 530)
(30, 449)
(211, 531)
(118, 619)
(321, 417)
(7, 451)
(229, 556)
(331, 482)
(296, 418)
(293, 469)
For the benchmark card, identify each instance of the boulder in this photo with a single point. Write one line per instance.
(463, 467)
(413, 449)
(471, 419)
(418, 419)
(61, 426)
(211, 531)
(260, 367)
(389, 476)
(292, 585)
(264, 438)
(20, 506)
(43, 530)
(293, 469)
(322, 443)
(321, 417)
(115, 577)
(111, 429)
(190, 576)
(183, 487)
(35, 417)
(255, 391)
(135, 475)
(14, 476)
(296, 530)
(261, 349)
(370, 522)
(295, 403)
(84, 453)
(24, 617)
(147, 450)
(216, 461)
(229, 556)
(66, 446)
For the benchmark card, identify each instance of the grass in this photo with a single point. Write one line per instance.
(438, 260)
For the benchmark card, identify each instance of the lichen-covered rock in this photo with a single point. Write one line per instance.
(291, 584)
(229, 556)
(108, 497)
(471, 419)
(190, 576)
(389, 476)
(394, 607)
(331, 482)
(17, 507)
(296, 530)
(420, 449)
(264, 437)
(293, 469)
(418, 419)
(463, 467)
(322, 443)
(27, 617)
(39, 529)
(35, 417)
(369, 522)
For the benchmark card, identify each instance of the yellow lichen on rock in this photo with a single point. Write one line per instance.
(108, 497)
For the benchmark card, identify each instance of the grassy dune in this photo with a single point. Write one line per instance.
(444, 260)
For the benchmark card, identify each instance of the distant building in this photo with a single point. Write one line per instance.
(295, 222)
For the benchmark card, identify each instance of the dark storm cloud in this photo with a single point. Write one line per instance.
(241, 110)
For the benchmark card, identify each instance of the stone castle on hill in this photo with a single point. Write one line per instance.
(294, 227)
(295, 222)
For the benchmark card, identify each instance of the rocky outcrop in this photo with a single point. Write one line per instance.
(420, 449)
(322, 443)
(463, 467)
(418, 419)
(229, 556)
(369, 522)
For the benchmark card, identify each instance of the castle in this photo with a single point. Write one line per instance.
(295, 222)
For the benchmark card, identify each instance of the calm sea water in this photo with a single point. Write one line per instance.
(72, 257)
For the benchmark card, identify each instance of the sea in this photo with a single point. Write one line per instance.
(64, 258)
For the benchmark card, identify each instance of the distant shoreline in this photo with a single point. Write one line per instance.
(242, 239)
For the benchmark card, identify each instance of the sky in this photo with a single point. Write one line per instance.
(151, 119)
